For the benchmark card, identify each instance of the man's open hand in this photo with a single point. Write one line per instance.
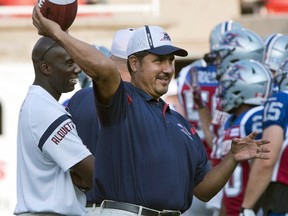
(249, 148)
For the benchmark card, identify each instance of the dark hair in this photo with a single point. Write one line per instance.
(139, 56)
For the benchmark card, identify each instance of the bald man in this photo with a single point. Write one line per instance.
(53, 165)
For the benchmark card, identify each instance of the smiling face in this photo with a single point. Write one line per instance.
(152, 73)
(55, 70)
(63, 70)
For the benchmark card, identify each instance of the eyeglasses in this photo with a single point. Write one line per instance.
(49, 48)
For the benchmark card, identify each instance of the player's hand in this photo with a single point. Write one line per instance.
(247, 212)
(78, 181)
(248, 148)
(45, 27)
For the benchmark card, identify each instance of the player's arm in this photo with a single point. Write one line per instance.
(215, 179)
(206, 119)
(82, 173)
(101, 69)
(204, 116)
(241, 149)
(261, 171)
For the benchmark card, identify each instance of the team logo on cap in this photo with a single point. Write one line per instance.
(166, 37)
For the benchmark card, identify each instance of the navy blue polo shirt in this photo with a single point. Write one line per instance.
(147, 154)
(83, 111)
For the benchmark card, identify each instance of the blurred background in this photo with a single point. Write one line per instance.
(188, 22)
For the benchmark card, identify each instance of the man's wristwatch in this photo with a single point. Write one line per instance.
(247, 212)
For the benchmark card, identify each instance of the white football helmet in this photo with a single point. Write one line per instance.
(236, 45)
(276, 50)
(245, 82)
(215, 36)
(221, 29)
(281, 77)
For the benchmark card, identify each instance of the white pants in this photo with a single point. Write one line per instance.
(115, 212)
(93, 211)
(39, 214)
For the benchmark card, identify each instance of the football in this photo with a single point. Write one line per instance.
(61, 11)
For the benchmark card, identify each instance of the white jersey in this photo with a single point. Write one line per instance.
(47, 147)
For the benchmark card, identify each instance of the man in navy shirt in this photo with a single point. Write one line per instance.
(82, 105)
(149, 160)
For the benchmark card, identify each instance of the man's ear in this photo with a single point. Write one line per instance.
(133, 61)
(44, 67)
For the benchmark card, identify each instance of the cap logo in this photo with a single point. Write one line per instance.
(149, 37)
(166, 37)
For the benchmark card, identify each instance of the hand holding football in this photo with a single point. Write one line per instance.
(61, 11)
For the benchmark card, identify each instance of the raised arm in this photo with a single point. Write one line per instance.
(241, 149)
(101, 69)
